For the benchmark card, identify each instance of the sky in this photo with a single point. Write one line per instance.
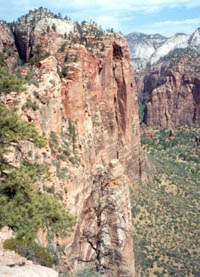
(166, 17)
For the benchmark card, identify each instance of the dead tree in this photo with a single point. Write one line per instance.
(102, 227)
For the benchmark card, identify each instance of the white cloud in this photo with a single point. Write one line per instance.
(183, 22)
(119, 14)
(107, 21)
(169, 28)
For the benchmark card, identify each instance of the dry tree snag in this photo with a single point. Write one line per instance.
(102, 230)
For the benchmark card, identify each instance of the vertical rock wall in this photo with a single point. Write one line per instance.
(93, 114)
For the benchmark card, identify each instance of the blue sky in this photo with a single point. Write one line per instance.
(166, 17)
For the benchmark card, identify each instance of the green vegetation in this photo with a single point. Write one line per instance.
(30, 250)
(166, 211)
(30, 105)
(87, 29)
(10, 82)
(67, 66)
(91, 37)
(141, 112)
(69, 58)
(64, 149)
(38, 55)
(53, 142)
(87, 271)
(191, 52)
(54, 27)
(23, 207)
(73, 135)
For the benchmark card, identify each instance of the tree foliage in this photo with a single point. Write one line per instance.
(9, 82)
(23, 207)
(32, 251)
(39, 54)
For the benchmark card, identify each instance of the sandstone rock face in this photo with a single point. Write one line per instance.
(6, 36)
(38, 26)
(85, 102)
(7, 45)
(99, 96)
(173, 94)
(27, 271)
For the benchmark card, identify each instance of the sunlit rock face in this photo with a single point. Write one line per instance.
(39, 27)
(147, 50)
(142, 47)
(173, 94)
(177, 41)
(84, 97)
(169, 85)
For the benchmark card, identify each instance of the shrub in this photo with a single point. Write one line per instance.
(30, 250)
(30, 105)
(87, 271)
(9, 82)
(54, 27)
(65, 71)
(38, 55)
(165, 216)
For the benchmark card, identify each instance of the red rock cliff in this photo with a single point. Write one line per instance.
(92, 110)
(174, 95)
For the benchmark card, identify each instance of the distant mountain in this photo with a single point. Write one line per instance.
(150, 49)
(177, 41)
(143, 46)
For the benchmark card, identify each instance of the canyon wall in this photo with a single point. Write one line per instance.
(167, 78)
(173, 95)
(83, 98)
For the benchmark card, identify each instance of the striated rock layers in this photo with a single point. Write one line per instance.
(85, 101)
(173, 93)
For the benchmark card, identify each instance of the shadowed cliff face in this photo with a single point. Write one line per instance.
(173, 94)
(87, 106)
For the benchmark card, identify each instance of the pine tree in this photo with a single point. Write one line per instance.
(22, 207)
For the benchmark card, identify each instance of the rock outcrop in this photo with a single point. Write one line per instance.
(40, 26)
(172, 92)
(169, 86)
(7, 45)
(11, 264)
(83, 97)
(27, 271)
